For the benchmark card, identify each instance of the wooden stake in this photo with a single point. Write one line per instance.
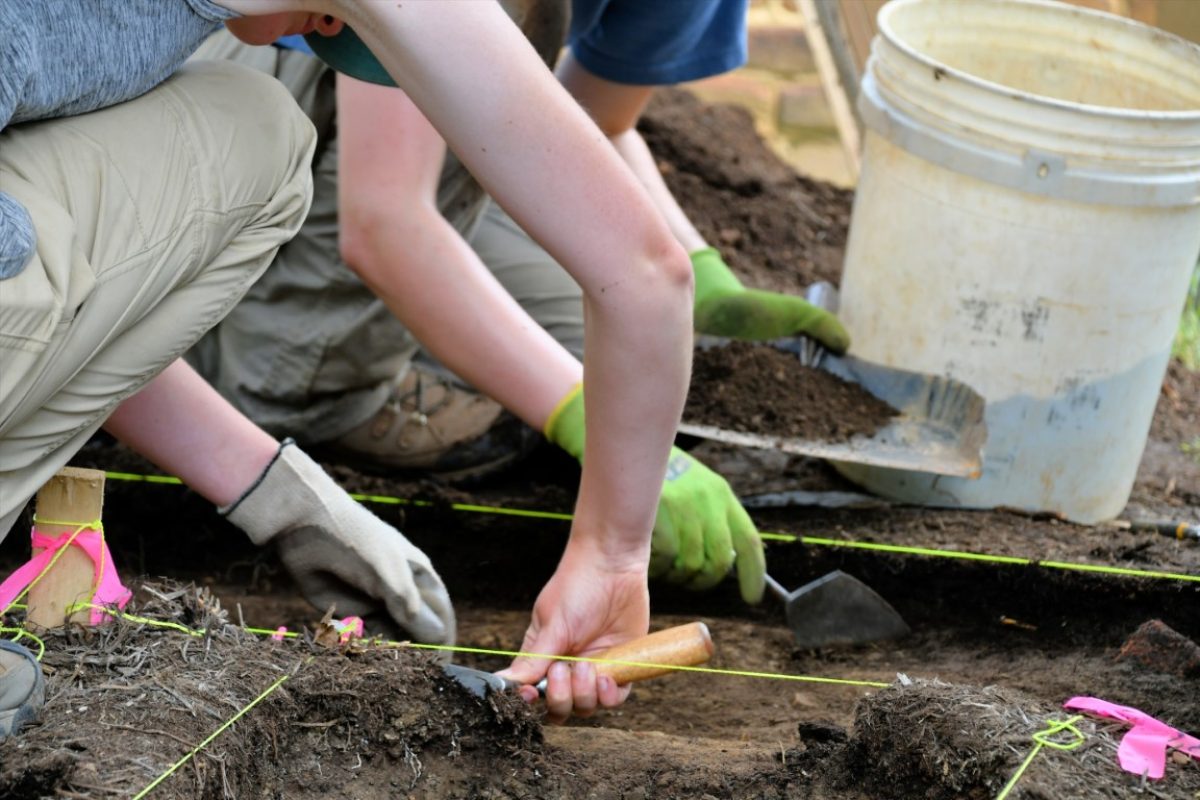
(76, 496)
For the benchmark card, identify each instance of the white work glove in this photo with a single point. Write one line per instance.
(339, 552)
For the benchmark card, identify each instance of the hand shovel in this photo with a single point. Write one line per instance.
(838, 609)
(647, 657)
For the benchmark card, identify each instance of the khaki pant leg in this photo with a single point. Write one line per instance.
(310, 352)
(531, 275)
(152, 217)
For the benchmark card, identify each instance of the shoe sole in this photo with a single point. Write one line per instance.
(32, 700)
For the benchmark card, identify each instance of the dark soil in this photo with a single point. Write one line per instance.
(935, 741)
(126, 701)
(756, 388)
(1037, 635)
(776, 229)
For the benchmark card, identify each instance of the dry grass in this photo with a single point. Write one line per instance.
(946, 742)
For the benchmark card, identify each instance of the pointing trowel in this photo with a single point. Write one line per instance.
(640, 659)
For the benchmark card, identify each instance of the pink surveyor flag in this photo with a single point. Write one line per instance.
(1143, 749)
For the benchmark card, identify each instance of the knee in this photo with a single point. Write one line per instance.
(253, 133)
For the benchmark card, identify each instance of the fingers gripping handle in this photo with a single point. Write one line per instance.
(681, 646)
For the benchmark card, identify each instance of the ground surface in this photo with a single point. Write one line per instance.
(996, 648)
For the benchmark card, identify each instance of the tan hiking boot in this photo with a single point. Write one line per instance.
(430, 424)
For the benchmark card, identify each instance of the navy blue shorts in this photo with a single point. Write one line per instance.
(658, 42)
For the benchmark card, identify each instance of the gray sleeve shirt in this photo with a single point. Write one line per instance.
(65, 57)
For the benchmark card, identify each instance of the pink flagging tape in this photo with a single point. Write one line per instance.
(1143, 749)
(108, 589)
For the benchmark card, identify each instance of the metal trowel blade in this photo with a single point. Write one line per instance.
(479, 682)
(838, 609)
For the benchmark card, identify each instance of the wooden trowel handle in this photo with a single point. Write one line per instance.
(681, 646)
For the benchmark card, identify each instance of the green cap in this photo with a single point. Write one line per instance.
(347, 54)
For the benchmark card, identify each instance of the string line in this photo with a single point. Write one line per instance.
(517, 653)
(815, 541)
(82, 526)
(225, 725)
(1042, 739)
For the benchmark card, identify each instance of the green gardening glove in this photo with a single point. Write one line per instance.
(701, 529)
(726, 308)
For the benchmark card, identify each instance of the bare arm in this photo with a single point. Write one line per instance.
(723, 306)
(480, 83)
(394, 237)
(616, 108)
(473, 75)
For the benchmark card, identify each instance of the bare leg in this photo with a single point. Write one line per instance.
(181, 424)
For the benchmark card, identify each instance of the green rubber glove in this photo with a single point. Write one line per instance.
(701, 529)
(726, 308)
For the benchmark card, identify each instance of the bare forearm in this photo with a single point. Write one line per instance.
(616, 109)
(634, 152)
(435, 284)
(540, 156)
(631, 419)
(183, 426)
(392, 235)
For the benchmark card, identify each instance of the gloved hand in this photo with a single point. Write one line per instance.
(724, 307)
(339, 552)
(701, 529)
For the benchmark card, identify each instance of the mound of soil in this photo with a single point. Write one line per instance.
(776, 229)
(126, 700)
(756, 388)
(930, 740)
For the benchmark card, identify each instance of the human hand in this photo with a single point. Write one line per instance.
(702, 530)
(723, 307)
(587, 607)
(340, 553)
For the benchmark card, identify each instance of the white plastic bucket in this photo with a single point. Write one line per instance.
(1027, 220)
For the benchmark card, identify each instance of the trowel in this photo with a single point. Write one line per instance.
(640, 659)
(940, 427)
(838, 609)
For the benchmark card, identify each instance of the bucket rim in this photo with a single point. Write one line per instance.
(1111, 112)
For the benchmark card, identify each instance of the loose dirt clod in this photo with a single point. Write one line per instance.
(1156, 646)
(756, 388)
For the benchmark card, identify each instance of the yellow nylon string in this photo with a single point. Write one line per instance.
(815, 541)
(188, 757)
(447, 648)
(519, 653)
(82, 526)
(1042, 739)
(22, 633)
(779, 676)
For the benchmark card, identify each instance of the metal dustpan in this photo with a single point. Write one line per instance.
(939, 429)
